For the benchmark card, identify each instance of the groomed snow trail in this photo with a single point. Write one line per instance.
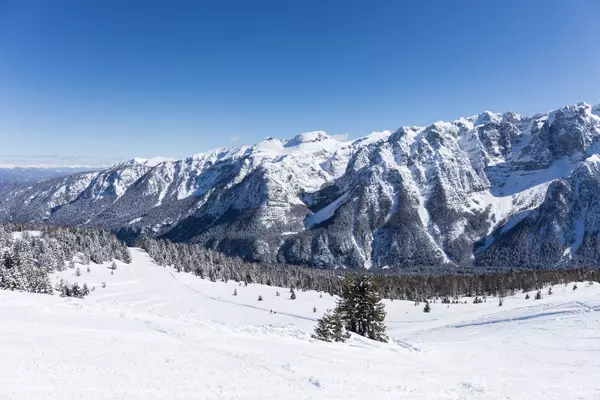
(153, 333)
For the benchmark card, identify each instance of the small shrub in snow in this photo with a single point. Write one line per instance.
(427, 307)
(575, 287)
(260, 298)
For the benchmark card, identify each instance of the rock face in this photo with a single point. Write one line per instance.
(492, 191)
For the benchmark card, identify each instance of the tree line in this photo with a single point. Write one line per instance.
(215, 266)
(56, 247)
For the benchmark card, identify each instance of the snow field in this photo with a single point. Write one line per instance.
(153, 333)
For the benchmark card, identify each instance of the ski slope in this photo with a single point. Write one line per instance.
(153, 333)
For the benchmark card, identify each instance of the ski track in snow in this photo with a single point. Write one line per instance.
(153, 333)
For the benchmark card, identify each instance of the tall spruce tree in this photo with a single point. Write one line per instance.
(360, 308)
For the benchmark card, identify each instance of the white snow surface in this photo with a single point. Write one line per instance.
(152, 162)
(326, 212)
(153, 333)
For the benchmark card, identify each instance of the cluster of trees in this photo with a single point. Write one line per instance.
(74, 290)
(499, 284)
(26, 259)
(359, 310)
(217, 266)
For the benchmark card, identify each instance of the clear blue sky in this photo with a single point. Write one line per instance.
(98, 81)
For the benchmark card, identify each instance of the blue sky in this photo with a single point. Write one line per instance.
(93, 82)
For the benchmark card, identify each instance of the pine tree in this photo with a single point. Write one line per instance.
(575, 287)
(500, 302)
(292, 294)
(427, 307)
(538, 295)
(323, 328)
(550, 291)
(235, 292)
(361, 308)
(336, 327)
(76, 290)
(260, 298)
(77, 272)
(527, 296)
(314, 309)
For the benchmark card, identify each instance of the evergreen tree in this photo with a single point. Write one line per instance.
(260, 298)
(361, 308)
(538, 295)
(427, 307)
(323, 328)
(76, 290)
(336, 327)
(292, 294)
(331, 327)
(235, 292)
(527, 296)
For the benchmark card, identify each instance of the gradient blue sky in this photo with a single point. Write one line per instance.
(93, 82)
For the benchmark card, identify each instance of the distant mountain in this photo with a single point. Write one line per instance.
(32, 174)
(492, 191)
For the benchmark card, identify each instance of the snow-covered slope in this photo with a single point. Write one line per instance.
(450, 195)
(153, 333)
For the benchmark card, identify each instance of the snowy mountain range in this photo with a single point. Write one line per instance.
(492, 191)
(13, 173)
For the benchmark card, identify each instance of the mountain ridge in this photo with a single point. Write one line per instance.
(448, 195)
